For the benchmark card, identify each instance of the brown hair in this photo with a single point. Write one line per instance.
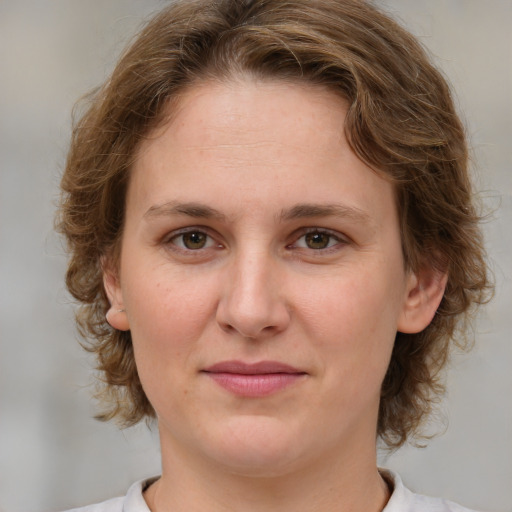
(401, 121)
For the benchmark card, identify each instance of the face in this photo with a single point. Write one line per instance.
(262, 276)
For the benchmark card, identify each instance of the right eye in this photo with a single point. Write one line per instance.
(317, 240)
(192, 240)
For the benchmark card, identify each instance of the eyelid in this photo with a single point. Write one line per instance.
(340, 238)
(300, 233)
(169, 237)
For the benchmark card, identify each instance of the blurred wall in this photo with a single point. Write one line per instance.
(52, 454)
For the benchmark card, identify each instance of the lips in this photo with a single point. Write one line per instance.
(254, 380)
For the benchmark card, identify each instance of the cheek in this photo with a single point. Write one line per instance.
(167, 312)
(351, 306)
(352, 320)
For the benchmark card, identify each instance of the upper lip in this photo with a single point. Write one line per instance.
(260, 368)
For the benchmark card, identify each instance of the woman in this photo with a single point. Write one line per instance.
(273, 240)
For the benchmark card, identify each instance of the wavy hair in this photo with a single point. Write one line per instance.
(401, 121)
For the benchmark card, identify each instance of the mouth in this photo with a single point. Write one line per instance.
(254, 380)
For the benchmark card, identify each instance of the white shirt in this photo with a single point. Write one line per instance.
(402, 500)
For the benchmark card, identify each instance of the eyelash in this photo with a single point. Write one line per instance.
(334, 240)
(209, 240)
(177, 242)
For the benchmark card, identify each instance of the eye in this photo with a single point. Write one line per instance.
(193, 240)
(318, 240)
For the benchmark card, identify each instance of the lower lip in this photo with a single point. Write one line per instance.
(255, 385)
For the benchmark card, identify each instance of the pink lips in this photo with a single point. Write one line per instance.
(253, 380)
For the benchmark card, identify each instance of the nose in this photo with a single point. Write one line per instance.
(252, 304)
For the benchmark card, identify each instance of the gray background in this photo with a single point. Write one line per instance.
(52, 454)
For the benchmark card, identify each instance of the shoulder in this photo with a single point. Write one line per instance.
(132, 502)
(403, 500)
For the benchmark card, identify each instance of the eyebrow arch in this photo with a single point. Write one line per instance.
(196, 210)
(304, 211)
(299, 211)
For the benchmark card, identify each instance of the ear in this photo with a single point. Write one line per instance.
(116, 315)
(424, 292)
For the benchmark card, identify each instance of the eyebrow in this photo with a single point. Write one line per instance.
(196, 210)
(305, 211)
(299, 211)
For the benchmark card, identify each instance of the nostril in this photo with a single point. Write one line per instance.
(249, 334)
(226, 327)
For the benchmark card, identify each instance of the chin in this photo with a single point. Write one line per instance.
(256, 447)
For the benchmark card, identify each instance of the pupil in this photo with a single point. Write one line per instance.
(317, 240)
(194, 240)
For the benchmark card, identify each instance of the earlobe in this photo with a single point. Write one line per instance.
(116, 316)
(425, 290)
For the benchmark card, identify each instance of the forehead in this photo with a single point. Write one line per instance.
(243, 109)
(260, 139)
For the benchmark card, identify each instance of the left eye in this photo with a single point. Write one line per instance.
(317, 240)
(193, 240)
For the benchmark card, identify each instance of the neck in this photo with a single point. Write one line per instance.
(351, 484)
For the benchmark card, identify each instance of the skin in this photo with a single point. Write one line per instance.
(254, 233)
